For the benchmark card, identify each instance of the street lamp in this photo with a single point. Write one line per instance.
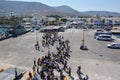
(37, 47)
(83, 36)
(36, 30)
(83, 47)
(36, 36)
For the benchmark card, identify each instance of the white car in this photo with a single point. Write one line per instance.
(104, 37)
(114, 45)
(32, 30)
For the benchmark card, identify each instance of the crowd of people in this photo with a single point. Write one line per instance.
(49, 38)
(53, 60)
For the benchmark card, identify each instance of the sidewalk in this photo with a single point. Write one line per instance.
(7, 71)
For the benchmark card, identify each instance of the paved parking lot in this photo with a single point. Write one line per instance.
(99, 62)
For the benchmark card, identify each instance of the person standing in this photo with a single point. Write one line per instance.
(37, 68)
(16, 72)
(69, 71)
(35, 77)
(34, 62)
(42, 75)
(33, 68)
(30, 75)
(61, 75)
(79, 73)
(65, 65)
(49, 52)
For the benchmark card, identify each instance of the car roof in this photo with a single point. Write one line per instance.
(102, 32)
(104, 35)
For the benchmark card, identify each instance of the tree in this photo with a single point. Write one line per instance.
(103, 21)
(63, 19)
(91, 20)
(84, 20)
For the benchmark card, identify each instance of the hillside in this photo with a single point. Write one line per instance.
(21, 8)
(101, 13)
(28, 8)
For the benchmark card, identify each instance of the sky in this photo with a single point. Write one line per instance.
(84, 5)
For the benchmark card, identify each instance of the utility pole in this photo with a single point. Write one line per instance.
(83, 47)
(36, 30)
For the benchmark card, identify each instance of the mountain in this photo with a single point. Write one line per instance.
(67, 9)
(101, 13)
(22, 8)
(28, 8)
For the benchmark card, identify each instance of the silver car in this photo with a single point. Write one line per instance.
(104, 37)
(114, 45)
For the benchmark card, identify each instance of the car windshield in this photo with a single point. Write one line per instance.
(106, 37)
(96, 34)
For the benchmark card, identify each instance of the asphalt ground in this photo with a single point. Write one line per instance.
(99, 62)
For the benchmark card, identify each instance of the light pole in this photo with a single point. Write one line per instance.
(36, 30)
(36, 36)
(83, 37)
(37, 47)
(83, 47)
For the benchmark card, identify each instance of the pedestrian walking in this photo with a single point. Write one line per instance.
(42, 75)
(65, 65)
(69, 71)
(79, 73)
(30, 75)
(61, 75)
(35, 77)
(37, 68)
(34, 62)
(33, 68)
(16, 72)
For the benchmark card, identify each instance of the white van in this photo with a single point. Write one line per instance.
(104, 37)
(100, 33)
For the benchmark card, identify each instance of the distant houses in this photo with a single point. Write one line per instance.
(93, 22)
(20, 25)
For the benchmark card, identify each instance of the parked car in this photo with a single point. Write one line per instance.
(99, 30)
(32, 30)
(114, 45)
(99, 33)
(61, 29)
(104, 37)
